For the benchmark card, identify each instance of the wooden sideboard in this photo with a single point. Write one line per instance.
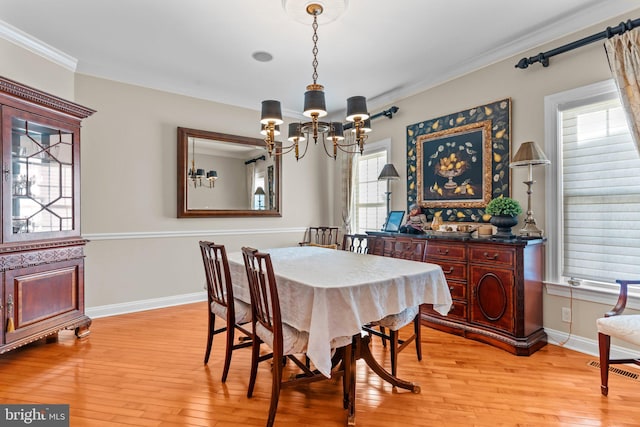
(496, 286)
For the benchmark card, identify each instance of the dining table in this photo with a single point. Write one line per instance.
(331, 294)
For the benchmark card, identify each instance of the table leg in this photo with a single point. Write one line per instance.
(350, 384)
(362, 350)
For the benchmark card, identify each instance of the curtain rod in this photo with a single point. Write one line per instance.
(255, 160)
(543, 57)
(388, 113)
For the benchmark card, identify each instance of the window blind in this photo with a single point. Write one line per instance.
(370, 201)
(601, 193)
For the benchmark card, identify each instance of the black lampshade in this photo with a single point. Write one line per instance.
(314, 103)
(271, 112)
(259, 191)
(200, 172)
(337, 130)
(212, 174)
(295, 132)
(388, 172)
(357, 107)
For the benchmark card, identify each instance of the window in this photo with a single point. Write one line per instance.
(369, 193)
(595, 188)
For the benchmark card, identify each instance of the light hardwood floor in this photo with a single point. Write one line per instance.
(146, 369)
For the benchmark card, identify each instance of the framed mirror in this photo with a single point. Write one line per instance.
(222, 175)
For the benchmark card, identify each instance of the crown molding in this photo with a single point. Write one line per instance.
(30, 43)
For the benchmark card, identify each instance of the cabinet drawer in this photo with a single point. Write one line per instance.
(492, 255)
(453, 270)
(458, 311)
(458, 290)
(446, 250)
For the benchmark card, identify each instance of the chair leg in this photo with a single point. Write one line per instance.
(212, 324)
(418, 333)
(227, 357)
(394, 351)
(383, 339)
(604, 344)
(275, 391)
(255, 354)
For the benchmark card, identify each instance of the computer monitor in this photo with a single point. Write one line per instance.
(394, 221)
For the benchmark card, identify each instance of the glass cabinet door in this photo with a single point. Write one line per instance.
(41, 178)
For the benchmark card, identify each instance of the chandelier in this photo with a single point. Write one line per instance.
(315, 108)
(198, 176)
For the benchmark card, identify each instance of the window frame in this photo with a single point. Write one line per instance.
(586, 290)
(370, 148)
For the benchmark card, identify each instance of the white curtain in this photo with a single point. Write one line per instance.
(251, 182)
(623, 52)
(347, 166)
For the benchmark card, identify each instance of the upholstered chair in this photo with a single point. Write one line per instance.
(623, 327)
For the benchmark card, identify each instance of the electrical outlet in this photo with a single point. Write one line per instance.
(566, 314)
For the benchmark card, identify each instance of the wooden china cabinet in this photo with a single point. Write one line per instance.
(41, 251)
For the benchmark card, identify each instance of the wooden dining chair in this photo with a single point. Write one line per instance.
(358, 243)
(615, 324)
(321, 236)
(285, 341)
(415, 250)
(221, 303)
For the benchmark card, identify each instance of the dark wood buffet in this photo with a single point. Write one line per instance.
(496, 287)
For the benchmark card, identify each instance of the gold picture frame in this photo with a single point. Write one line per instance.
(454, 167)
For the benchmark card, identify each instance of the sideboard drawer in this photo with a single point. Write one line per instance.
(458, 310)
(458, 290)
(453, 270)
(446, 250)
(492, 254)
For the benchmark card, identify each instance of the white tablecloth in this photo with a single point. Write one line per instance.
(331, 293)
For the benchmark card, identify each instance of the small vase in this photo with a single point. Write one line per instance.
(504, 224)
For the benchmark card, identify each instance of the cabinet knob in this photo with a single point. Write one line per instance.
(443, 252)
(487, 256)
(449, 271)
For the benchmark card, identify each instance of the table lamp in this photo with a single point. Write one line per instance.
(388, 173)
(529, 154)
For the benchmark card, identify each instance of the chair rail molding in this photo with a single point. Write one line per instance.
(189, 233)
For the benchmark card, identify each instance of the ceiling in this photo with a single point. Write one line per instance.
(384, 50)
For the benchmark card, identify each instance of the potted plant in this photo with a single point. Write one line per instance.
(504, 212)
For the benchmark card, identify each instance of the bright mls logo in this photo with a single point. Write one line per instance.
(34, 415)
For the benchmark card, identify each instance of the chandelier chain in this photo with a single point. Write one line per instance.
(315, 49)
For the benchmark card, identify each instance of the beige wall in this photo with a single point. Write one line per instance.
(33, 70)
(527, 89)
(140, 251)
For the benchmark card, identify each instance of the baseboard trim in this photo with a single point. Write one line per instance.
(143, 305)
(586, 345)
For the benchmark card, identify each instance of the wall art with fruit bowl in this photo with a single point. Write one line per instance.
(457, 163)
